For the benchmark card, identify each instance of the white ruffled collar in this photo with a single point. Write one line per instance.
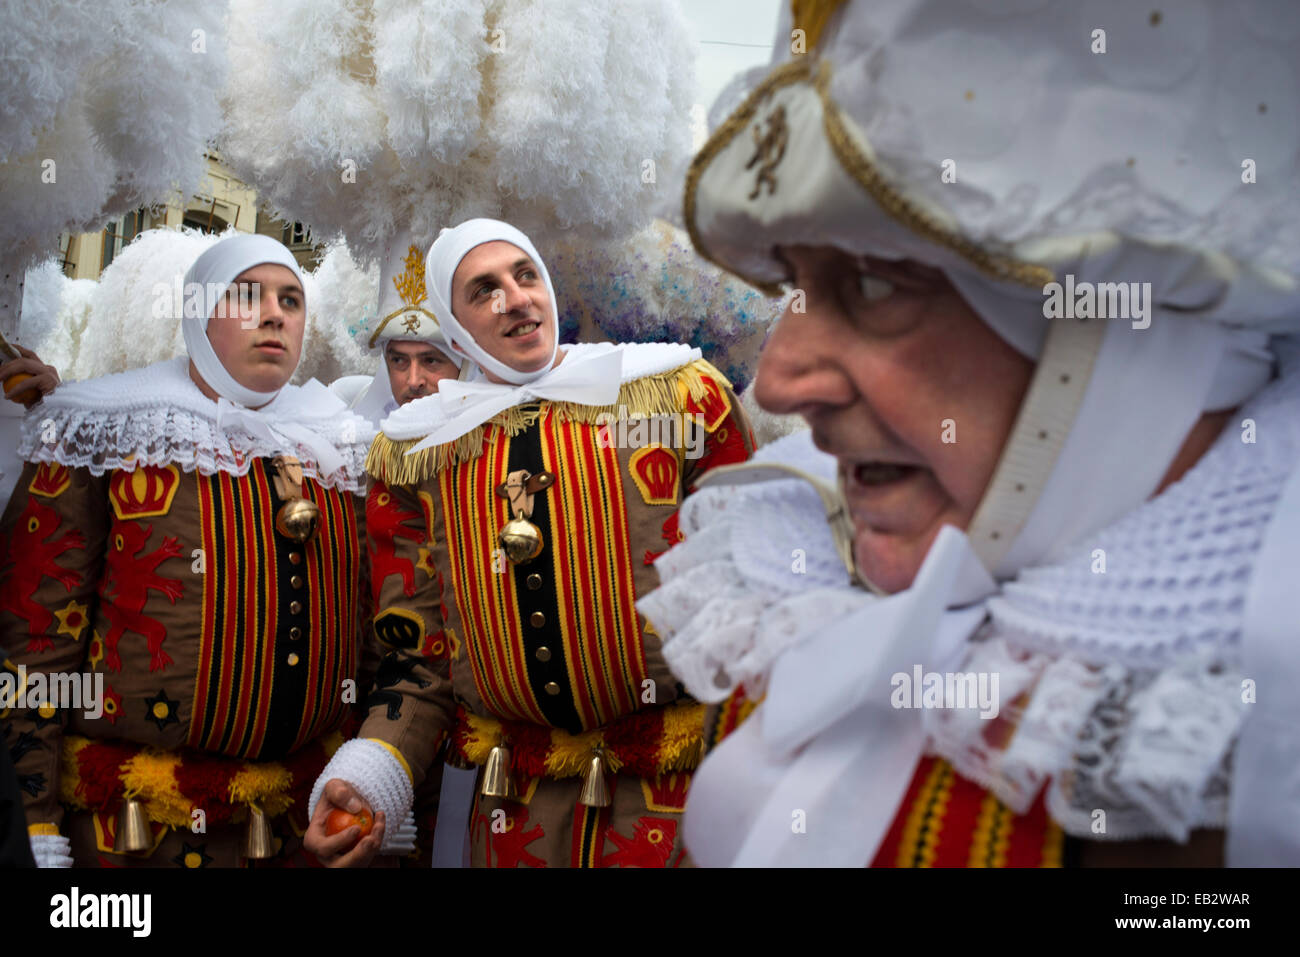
(156, 415)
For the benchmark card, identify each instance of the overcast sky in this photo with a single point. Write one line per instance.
(732, 35)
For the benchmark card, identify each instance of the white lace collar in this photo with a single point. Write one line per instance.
(157, 416)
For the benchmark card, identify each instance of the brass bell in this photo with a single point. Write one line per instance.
(595, 792)
(298, 519)
(132, 828)
(498, 782)
(258, 844)
(521, 540)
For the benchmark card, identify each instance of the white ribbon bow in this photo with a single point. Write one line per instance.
(285, 434)
(816, 774)
(586, 380)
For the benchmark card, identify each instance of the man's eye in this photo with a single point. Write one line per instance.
(873, 288)
(528, 274)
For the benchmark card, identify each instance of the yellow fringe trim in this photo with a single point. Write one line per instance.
(663, 394)
(150, 777)
(681, 744)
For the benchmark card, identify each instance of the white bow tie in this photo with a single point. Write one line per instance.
(286, 434)
(827, 742)
(585, 380)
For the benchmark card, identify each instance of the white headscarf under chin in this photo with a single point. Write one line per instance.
(214, 271)
(445, 255)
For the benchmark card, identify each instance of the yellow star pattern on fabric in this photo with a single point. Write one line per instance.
(73, 620)
(96, 650)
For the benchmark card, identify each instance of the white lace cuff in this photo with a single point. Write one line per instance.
(372, 771)
(51, 850)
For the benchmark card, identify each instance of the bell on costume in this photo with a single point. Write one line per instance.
(521, 540)
(259, 844)
(298, 519)
(595, 792)
(132, 828)
(498, 782)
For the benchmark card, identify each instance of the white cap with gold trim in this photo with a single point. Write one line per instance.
(405, 312)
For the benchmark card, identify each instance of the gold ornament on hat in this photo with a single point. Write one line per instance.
(410, 287)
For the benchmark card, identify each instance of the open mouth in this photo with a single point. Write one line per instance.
(873, 474)
(523, 329)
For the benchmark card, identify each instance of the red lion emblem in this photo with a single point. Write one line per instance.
(125, 588)
(30, 552)
(384, 524)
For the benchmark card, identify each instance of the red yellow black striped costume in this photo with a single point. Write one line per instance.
(945, 820)
(226, 652)
(550, 657)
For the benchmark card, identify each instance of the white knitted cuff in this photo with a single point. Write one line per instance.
(51, 850)
(382, 782)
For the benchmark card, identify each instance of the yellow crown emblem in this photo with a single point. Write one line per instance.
(410, 284)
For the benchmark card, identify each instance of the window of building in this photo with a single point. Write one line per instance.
(120, 232)
(296, 235)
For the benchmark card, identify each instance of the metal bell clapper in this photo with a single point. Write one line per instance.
(595, 790)
(132, 828)
(521, 540)
(297, 519)
(259, 845)
(498, 782)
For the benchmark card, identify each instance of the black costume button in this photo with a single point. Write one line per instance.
(552, 688)
(534, 581)
(543, 653)
(537, 619)
(296, 581)
(295, 607)
(295, 632)
(295, 557)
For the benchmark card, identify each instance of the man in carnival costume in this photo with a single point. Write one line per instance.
(513, 522)
(416, 358)
(1048, 357)
(414, 350)
(178, 607)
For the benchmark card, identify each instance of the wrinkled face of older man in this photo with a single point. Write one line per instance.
(499, 296)
(906, 386)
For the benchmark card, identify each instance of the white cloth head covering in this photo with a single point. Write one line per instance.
(213, 272)
(440, 267)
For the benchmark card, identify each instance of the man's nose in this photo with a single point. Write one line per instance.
(271, 312)
(801, 366)
(516, 298)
